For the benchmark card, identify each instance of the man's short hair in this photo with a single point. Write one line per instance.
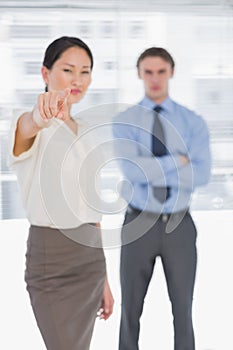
(156, 52)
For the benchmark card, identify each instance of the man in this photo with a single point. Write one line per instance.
(164, 150)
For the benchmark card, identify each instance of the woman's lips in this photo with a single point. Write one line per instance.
(75, 91)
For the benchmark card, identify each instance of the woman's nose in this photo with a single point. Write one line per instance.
(77, 79)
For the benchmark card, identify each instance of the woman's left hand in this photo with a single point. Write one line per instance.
(106, 307)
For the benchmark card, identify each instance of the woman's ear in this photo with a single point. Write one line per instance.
(45, 73)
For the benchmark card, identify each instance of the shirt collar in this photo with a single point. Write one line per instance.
(167, 104)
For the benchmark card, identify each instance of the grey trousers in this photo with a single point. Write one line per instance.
(65, 282)
(178, 255)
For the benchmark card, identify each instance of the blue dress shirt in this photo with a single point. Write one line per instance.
(186, 133)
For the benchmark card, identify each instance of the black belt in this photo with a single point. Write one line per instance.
(164, 217)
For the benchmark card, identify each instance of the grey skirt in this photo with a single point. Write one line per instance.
(65, 282)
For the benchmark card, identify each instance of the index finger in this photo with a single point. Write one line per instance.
(63, 94)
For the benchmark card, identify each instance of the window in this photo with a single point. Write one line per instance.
(85, 29)
(29, 31)
(108, 29)
(32, 68)
(136, 29)
(204, 84)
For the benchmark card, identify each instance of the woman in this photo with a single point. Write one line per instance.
(52, 154)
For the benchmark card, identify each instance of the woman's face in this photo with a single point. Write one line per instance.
(72, 70)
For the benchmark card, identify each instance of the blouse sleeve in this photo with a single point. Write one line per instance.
(13, 159)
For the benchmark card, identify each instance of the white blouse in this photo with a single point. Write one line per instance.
(59, 176)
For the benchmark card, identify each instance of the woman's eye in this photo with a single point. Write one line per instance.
(66, 70)
(85, 72)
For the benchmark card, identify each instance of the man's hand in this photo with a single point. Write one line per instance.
(184, 159)
(106, 307)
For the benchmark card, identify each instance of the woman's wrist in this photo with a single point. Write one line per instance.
(38, 120)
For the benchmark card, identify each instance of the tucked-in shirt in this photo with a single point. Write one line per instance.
(186, 133)
(58, 175)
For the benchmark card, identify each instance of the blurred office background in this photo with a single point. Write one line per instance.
(199, 34)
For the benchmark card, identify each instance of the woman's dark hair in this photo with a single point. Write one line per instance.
(156, 52)
(60, 45)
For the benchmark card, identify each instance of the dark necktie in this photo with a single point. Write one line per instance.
(159, 149)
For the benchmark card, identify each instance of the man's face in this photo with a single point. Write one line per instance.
(155, 73)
